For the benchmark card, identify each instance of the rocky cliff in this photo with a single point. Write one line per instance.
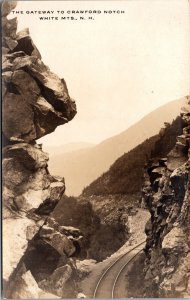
(36, 250)
(167, 195)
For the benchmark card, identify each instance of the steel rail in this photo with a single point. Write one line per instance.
(120, 271)
(112, 265)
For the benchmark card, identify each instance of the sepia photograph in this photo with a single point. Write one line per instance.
(95, 149)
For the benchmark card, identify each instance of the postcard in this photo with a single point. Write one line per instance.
(95, 149)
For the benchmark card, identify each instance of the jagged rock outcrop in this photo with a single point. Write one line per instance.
(35, 101)
(39, 98)
(167, 195)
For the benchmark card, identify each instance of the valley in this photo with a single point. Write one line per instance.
(83, 166)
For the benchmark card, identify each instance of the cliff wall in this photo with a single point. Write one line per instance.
(37, 252)
(167, 196)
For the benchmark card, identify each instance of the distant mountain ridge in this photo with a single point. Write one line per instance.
(70, 147)
(83, 166)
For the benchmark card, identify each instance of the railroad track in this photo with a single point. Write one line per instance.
(109, 284)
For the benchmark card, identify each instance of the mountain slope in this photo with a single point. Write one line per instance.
(83, 166)
(126, 175)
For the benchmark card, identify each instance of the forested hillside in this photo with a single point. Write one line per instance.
(125, 176)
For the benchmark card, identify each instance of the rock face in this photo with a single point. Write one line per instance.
(35, 102)
(114, 212)
(167, 195)
(39, 98)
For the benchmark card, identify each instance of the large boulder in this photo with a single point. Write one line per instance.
(25, 176)
(39, 99)
(15, 243)
(60, 282)
(25, 287)
(35, 100)
(57, 240)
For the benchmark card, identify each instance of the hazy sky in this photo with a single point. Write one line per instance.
(118, 67)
